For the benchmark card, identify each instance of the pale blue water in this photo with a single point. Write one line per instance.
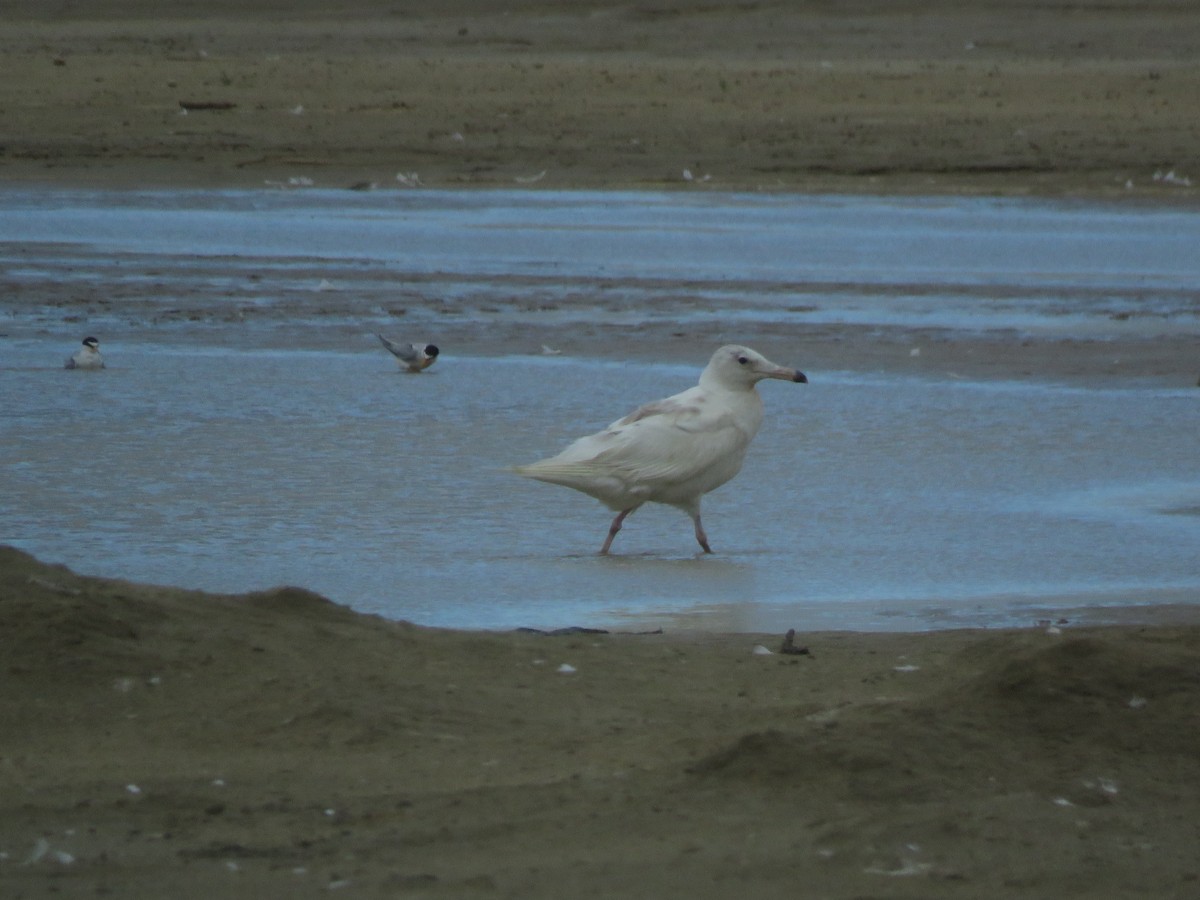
(215, 457)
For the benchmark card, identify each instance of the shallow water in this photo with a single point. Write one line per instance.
(1084, 270)
(866, 502)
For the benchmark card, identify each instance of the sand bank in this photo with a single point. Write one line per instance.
(159, 742)
(994, 96)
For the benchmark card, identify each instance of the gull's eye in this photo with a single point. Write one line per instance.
(743, 360)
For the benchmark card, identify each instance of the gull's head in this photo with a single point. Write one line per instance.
(431, 351)
(91, 343)
(734, 366)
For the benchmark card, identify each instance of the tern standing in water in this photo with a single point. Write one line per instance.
(414, 357)
(86, 357)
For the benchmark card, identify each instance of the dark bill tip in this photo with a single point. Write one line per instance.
(800, 378)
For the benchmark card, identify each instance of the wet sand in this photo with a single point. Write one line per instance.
(159, 742)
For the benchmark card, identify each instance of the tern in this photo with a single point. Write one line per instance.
(414, 357)
(87, 357)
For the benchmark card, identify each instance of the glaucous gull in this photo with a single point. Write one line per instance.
(87, 357)
(414, 357)
(671, 451)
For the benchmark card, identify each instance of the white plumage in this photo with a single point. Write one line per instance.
(671, 451)
(86, 357)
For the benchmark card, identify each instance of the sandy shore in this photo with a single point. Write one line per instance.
(995, 96)
(158, 743)
(1059, 99)
(1066, 99)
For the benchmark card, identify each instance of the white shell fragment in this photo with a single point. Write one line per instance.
(1107, 785)
(41, 850)
(906, 869)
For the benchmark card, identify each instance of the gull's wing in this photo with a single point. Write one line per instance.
(665, 444)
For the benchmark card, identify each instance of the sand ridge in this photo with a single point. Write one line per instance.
(159, 740)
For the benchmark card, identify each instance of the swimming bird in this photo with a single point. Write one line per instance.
(88, 357)
(416, 357)
(671, 451)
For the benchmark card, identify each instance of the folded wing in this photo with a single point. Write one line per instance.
(670, 451)
(403, 352)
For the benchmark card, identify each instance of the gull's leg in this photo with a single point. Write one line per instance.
(613, 529)
(700, 535)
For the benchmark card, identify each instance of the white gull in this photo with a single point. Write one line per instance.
(671, 451)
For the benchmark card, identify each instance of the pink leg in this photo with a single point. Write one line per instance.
(700, 535)
(613, 529)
